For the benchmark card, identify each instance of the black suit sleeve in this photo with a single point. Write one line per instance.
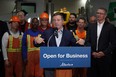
(72, 40)
(112, 45)
(87, 40)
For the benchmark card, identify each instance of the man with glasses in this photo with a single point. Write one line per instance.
(101, 36)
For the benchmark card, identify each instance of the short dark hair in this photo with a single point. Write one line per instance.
(25, 13)
(34, 19)
(56, 14)
(73, 14)
(102, 8)
(82, 19)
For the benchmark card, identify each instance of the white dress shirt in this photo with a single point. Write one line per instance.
(99, 29)
(58, 40)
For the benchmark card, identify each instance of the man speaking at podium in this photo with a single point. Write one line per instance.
(57, 37)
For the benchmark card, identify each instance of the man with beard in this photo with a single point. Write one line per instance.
(71, 25)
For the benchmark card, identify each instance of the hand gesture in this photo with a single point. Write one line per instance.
(81, 41)
(39, 40)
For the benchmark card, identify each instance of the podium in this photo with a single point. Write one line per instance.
(63, 59)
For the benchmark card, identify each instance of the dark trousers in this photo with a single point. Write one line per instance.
(100, 67)
(49, 72)
(2, 71)
(113, 69)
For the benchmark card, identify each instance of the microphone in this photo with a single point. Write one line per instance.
(55, 33)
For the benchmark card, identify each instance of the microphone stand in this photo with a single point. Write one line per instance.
(49, 40)
(54, 34)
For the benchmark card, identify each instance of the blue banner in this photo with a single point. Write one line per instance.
(65, 57)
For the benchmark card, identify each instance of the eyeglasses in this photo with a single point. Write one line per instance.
(100, 13)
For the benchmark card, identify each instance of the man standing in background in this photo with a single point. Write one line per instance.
(30, 53)
(24, 25)
(71, 25)
(44, 22)
(101, 36)
(80, 35)
(11, 48)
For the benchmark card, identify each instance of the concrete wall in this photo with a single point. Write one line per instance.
(71, 5)
(7, 6)
(95, 4)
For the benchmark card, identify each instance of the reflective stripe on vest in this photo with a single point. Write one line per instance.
(29, 26)
(10, 46)
(29, 44)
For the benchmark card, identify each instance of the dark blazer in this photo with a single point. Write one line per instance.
(107, 39)
(67, 38)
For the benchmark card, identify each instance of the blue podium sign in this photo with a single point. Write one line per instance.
(65, 57)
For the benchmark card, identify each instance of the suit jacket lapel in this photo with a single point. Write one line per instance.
(95, 29)
(102, 31)
(53, 40)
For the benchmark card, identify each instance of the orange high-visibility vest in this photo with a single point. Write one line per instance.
(14, 44)
(81, 35)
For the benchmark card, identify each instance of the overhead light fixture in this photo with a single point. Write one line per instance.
(83, 2)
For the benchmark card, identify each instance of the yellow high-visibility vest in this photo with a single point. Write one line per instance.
(29, 45)
(10, 47)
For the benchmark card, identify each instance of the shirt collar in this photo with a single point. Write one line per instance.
(61, 30)
(100, 23)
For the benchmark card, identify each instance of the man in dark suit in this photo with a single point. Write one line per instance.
(101, 36)
(3, 29)
(56, 38)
